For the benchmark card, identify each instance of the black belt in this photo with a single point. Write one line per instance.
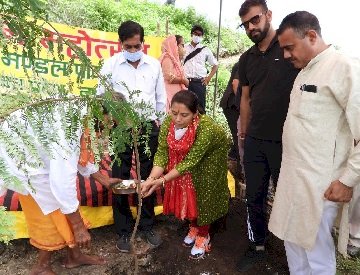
(195, 79)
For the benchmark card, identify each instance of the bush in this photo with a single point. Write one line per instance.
(106, 15)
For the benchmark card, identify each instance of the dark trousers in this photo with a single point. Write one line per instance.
(123, 219)
(232, 116)
(262, 159)
(200, 90)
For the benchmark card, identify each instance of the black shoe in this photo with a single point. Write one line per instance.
(123, 244)
(152, 237)
(353, 251)
(250, 258)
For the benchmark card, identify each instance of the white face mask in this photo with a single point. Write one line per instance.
(196, 39)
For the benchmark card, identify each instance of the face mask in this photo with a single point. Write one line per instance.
(196, 39)
(133, 57)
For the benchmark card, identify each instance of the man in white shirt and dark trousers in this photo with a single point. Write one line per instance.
(195, 70)
(133, 70)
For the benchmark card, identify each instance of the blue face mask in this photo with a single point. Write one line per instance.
(133, 57)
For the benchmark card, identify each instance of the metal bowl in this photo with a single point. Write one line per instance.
(124, 188)
(123, 191)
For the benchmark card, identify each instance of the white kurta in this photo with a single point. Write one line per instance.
(53, 186)
(317, 140)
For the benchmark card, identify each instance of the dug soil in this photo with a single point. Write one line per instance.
(170, 258)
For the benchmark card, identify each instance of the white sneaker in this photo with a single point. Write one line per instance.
(201, 246)
(190, 237)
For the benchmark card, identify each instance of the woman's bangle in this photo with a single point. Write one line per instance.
(163, 181)
(151, 178)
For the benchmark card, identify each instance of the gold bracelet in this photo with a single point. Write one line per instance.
(151, 178)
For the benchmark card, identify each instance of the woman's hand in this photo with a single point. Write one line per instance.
(149, 186)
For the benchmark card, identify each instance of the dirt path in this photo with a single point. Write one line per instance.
(170, 258)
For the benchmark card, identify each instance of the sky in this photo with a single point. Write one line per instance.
(338, 19)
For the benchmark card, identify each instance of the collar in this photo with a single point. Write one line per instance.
(323, 55)
(198, 45)
(255, 49)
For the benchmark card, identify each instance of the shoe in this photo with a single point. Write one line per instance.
(353, 251)
(190, 237)
(123, 244)
(250, 258)
(201, 246)
(152, 237)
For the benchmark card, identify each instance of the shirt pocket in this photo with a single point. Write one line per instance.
(305, 104)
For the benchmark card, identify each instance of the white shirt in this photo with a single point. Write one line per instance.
(147, 78)
(195, 67)
(53, 186)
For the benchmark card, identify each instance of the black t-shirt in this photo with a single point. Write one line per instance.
(270, 78)
(228, 98)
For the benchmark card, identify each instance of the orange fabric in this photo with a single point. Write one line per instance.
(86, 154)
(171, 66)
(47, 232)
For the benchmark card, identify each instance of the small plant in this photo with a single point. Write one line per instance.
(6, 222)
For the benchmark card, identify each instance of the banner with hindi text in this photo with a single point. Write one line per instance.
(97, 45)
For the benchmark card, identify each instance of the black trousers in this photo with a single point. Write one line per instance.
(262, 159)
(200, 90)
(123, 219)
(232, 116)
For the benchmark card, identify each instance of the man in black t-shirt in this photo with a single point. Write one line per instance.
(266, 79)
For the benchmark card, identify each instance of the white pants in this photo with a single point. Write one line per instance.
(321, 259)
(355, 218)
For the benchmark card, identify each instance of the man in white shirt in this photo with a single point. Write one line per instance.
(133, 70)
(196, 56)
(49, 202)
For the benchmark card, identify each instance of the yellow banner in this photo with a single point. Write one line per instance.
(97, 45)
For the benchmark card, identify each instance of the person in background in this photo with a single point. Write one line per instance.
(320, 164)
(191, 165)
(133, 70)
(172, 54)
(196, 57)
(231, 109)
(266, 78)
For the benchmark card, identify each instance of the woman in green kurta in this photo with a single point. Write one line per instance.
(191, 165)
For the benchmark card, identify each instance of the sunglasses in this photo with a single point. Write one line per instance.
(129, 47)
(253, 20)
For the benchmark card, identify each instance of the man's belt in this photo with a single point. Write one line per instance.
(195, 79)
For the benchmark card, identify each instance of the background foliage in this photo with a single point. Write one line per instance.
(106, 15)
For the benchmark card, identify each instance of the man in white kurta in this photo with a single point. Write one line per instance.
(48, 195)
(319, 166)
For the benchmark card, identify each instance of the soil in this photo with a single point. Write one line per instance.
(170, 258)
